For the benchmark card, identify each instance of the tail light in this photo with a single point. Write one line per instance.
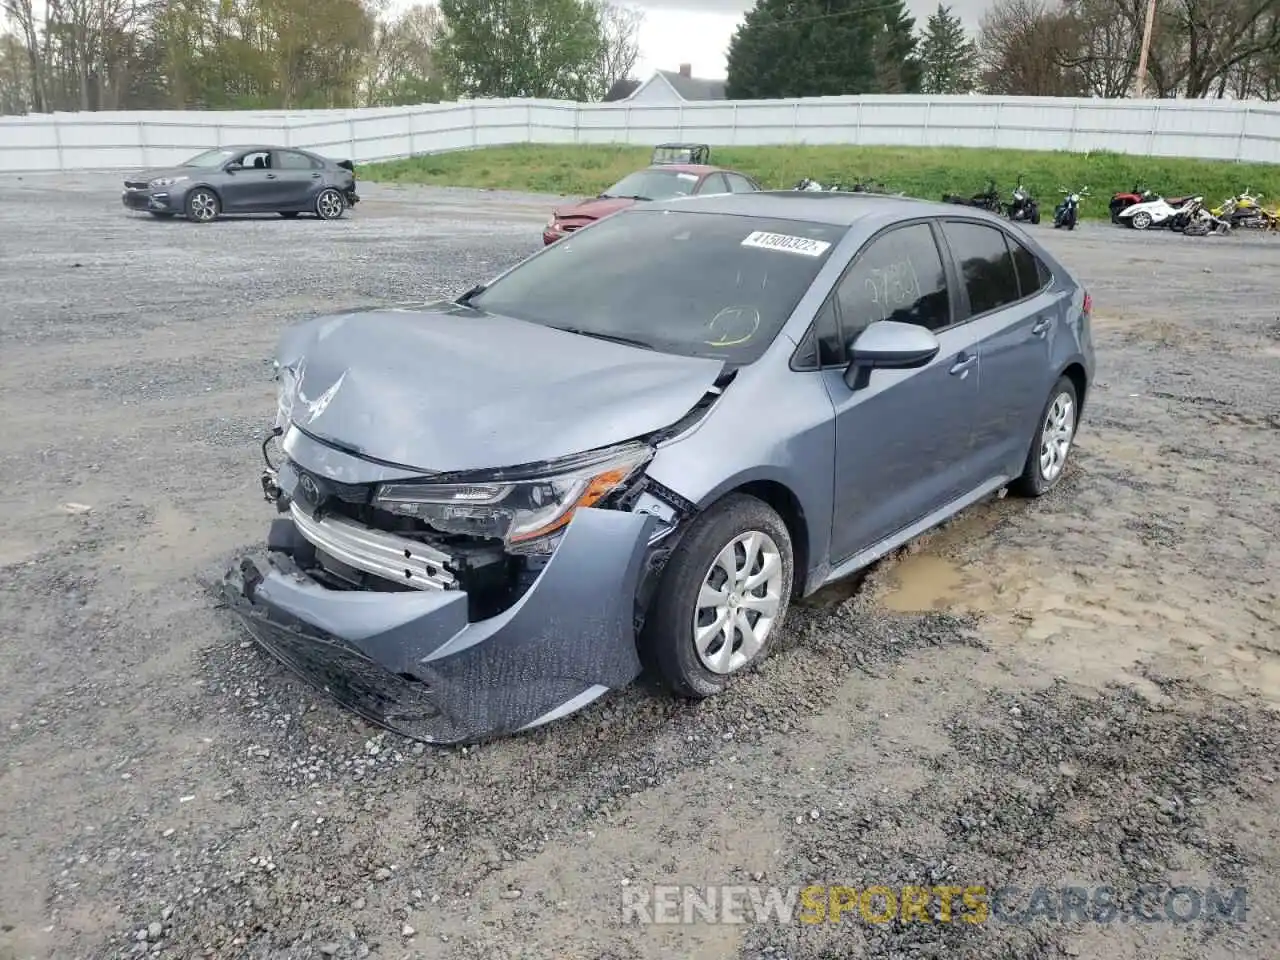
(1088, 304)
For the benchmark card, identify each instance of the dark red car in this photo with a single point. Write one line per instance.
(664, 181)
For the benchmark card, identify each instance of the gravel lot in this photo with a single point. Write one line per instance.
(1079, 691)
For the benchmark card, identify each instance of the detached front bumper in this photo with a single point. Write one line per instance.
(412, 662)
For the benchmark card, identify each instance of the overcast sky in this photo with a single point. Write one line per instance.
(697, 32)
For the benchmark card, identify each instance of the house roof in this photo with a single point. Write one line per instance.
(621, 89)
(693, 88)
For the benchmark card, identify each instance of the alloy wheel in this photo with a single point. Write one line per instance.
(738, 603)
(1141, 220)
(1056, 436)
(330, 204)
(204, 206)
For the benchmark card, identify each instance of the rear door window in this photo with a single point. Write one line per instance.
(985, 263)
(1030, 270)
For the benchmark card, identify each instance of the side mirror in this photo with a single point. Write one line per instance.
(233, 166)
(888, 345)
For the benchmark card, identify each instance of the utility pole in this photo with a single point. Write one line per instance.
(1146, 47)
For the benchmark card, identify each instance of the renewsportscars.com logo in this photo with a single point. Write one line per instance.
(974, 904)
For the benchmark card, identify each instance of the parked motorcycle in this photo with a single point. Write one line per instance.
(1172, 213)
(1202, 222)
(989, 199)
(1244, 210)
(1023, 206)
(1139, 194)
(1067, 213)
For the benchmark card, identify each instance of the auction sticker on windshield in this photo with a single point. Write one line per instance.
(782, 241)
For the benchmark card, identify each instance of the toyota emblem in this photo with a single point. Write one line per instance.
(310, 490)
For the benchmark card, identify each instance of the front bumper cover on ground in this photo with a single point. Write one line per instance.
(411, 661)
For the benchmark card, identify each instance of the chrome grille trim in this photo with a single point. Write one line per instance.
(372, 551)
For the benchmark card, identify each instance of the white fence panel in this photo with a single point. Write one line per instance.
(1224, 130)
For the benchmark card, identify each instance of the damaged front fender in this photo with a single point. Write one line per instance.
(412, 662)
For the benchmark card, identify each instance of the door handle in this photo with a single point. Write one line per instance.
(316, 176)
(1041, 326)
(271, 176)
(961, 367)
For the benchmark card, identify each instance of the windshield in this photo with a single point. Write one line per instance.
(654, 185)
(210, 158)
(694, 284)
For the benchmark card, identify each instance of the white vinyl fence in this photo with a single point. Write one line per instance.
(1210, 129)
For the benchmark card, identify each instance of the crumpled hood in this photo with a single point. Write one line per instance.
(594, 208)
(446, 388)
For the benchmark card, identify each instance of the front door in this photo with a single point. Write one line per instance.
(247, 190)
(904, 440)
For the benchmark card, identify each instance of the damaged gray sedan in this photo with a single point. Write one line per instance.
(640, 444)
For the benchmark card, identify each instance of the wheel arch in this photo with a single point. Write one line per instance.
(1075, 372)
(201, 185)
(783, 499)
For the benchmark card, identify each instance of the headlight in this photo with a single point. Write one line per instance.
(524, 514)
(166, 181)
(284, 399)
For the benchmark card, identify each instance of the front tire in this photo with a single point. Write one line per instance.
(723, 594)
(330, 204)
(1140, 220)
(203, 205)
(1055, 438)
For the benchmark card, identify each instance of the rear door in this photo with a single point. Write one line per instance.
(1011, 307)
(904, 439)
(298, 179)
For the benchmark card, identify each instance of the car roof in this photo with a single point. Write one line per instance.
(701, 169)
(249, 147)
(835, 208)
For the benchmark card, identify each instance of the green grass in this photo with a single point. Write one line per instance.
(925, 172)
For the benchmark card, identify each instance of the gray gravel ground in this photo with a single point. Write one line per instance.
(1080, 691)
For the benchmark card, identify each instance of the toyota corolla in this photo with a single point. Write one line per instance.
(494, 510)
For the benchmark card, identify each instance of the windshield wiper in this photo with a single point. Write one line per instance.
(615, 338)
(622, 196)
(465, 299)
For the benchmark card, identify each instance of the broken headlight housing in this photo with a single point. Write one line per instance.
(527, 514)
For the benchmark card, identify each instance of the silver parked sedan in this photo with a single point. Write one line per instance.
(641, 443)
(245, 179)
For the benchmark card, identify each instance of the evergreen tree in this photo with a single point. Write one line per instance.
(811, 48)
(949, 58)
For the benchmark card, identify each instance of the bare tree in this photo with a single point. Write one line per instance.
(1024, 45)
(620, 27)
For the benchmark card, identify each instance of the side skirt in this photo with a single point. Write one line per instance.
(893, 541)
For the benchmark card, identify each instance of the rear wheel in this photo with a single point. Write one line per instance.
(722, 595)
(330, 204)
(203, 205)
(1055, 436)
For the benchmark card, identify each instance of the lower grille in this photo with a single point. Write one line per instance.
(136, 184)
(397, 559)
